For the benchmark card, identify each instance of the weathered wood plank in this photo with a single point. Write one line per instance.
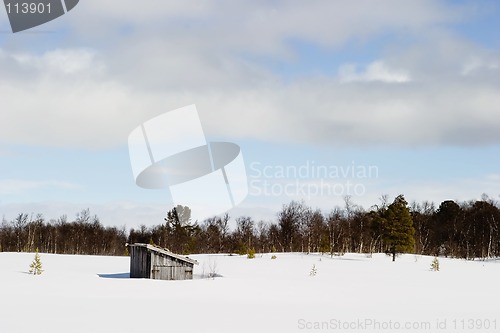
(147, 261)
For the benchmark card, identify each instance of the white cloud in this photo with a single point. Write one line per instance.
(71, 61)
(460, 190)
(128, 214)
(375, 71)
(477, 64)
(260, 26)
(265, 207)
(493, 178)
(58, 61)
(14, 186)
(197, 52)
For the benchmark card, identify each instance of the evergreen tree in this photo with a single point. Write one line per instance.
(36, 265)
(179, 224)
(397, 227)
(251, 253)
(435, 265)
(313, 271)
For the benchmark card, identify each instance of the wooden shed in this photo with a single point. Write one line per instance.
(152, 262)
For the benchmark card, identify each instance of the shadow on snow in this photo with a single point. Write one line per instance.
(115, 276)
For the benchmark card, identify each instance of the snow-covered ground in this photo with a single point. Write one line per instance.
(350, 293)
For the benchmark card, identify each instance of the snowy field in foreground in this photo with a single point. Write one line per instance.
(351, 293)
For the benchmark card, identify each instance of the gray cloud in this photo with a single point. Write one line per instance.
(437, 90)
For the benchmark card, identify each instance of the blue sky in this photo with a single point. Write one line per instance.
(411, 88)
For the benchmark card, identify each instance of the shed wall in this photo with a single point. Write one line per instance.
(148, 264)
(140, 262)
(168, 268)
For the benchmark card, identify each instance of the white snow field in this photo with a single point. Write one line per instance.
(350, 293)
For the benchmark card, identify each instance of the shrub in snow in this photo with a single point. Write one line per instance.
(314, 271)
(274, 257)
(242, 249)
(251, 253)
(212, 266)
(435, 265)
(36, 265)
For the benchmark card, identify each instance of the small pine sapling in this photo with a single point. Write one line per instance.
(251, 253)
(314, 271)
(36, 265)
(435, 265)
(273, 257)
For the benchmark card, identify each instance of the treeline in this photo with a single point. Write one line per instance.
(84, 235)
(464, 230)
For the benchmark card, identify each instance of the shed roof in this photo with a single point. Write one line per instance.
(165, 252)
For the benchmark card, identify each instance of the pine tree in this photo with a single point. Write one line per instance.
(251, 253)
(178, 222)
(36, 265)
(397, 225)
(435, 265)
(313, 271)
